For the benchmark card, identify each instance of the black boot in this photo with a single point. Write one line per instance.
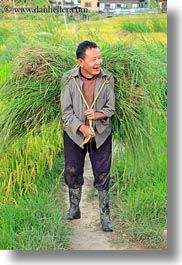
(74, 198)
(104, 211)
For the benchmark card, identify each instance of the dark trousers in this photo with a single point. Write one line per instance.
(100, 158)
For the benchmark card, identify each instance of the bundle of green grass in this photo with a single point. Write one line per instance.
(32, 93)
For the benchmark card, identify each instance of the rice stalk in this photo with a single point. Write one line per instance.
(25, 161)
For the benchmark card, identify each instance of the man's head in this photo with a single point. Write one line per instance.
(89, 58)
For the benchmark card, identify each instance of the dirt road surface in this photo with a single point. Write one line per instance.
(87, 232)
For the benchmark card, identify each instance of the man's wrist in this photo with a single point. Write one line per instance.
(99, 116)
(81, 128)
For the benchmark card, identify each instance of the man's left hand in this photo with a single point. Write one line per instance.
(90, 114)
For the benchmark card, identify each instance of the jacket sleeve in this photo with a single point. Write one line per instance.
(71, 122)
(109, 105)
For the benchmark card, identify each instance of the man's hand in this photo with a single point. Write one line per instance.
(86, 131)
(92, 115)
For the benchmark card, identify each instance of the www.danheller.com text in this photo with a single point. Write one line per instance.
(47, 9)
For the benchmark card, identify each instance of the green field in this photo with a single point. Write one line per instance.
(34, 53)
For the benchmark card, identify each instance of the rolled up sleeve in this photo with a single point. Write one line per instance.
(71, 121)
(108, 108)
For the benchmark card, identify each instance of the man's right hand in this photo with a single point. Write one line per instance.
(86, 131)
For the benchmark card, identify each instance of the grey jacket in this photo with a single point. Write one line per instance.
(73, 107)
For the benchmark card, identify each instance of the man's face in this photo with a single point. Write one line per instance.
(91, 63)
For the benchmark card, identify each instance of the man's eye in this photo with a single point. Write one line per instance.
(94, 59)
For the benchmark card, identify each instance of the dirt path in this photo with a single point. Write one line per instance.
(87, 233)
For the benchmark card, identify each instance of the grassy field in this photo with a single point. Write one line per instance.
(134, 50)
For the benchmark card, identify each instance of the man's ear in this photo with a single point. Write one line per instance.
(80, 61)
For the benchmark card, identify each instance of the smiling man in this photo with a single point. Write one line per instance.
(88, 102)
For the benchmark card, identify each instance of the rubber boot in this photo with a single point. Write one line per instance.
(105, 211)
(74, 198)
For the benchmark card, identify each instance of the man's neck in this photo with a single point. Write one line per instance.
(88, 78)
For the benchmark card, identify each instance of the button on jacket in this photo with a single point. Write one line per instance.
(73, 107)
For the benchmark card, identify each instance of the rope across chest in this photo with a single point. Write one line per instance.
(87, 139)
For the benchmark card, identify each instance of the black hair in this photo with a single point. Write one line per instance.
(81, 49)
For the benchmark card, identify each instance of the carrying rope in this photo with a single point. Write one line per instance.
(87, 139)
